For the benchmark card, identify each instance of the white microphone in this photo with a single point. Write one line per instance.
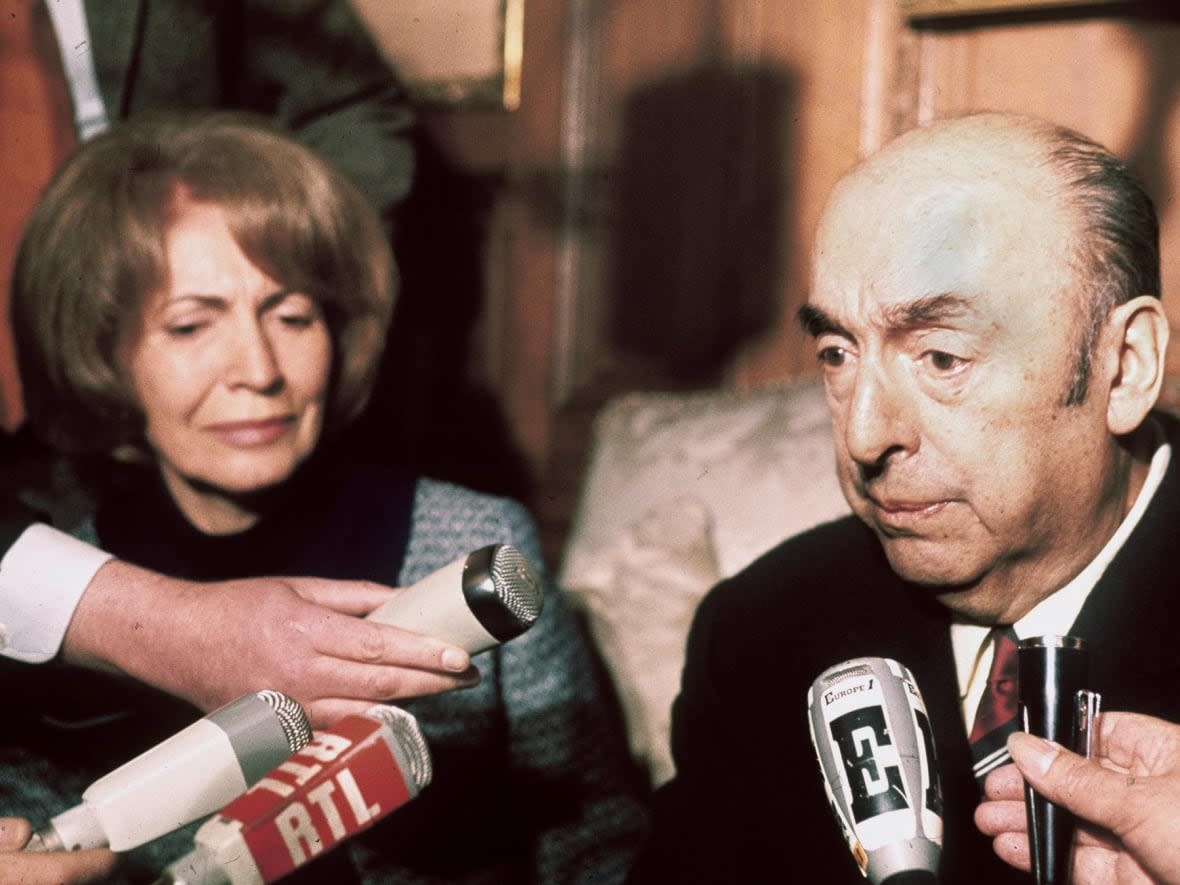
(187, 776)
(349, 777)
(875, 748)
(476, 602)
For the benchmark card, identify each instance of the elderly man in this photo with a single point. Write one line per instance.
(985, 312)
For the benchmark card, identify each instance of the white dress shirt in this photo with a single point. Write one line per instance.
(42, 577)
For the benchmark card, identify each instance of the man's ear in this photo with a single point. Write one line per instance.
(1138, 342)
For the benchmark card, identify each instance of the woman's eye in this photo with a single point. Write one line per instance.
(185, 330)
(297, 321)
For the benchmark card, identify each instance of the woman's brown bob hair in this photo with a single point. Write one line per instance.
(94, 249)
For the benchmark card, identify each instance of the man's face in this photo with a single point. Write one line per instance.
(947, 324)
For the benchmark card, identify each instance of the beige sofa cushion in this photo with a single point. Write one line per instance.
(683, 489)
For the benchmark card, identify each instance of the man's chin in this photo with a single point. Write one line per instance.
(934, 564)
(956, 587)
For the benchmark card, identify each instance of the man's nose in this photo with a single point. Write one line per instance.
(253, 363)
(879, 423)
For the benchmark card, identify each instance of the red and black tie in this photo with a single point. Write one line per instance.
(996, 717)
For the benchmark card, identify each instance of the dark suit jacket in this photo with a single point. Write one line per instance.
(308, 64)
(748, 797)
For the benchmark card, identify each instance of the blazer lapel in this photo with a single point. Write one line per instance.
(1130, 617)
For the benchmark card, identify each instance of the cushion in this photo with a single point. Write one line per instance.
(681, 490)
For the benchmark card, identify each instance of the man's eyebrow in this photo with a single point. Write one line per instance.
(929, 310)
(815, 322)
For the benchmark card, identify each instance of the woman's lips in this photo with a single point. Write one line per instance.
(248, 434)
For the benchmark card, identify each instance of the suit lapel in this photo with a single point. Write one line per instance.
(1130, 617)
(116, 29)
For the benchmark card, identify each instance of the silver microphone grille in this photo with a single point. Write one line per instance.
(516, 584)
(291, 717)
(417, 765)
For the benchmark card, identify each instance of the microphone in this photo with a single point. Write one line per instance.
(476, 602)
(875, 748)
(345, 780)
(1054, 704)
(185, 777)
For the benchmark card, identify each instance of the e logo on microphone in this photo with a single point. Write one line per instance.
(865, 746)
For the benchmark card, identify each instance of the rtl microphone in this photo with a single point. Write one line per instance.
(875, 748)
(345, 780)
(187, 776)
(476, 602)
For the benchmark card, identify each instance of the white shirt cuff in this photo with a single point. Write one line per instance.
(42, 577)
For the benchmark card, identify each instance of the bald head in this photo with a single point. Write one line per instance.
(1063, 209)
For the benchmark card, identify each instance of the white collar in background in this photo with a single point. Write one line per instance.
(77, 58)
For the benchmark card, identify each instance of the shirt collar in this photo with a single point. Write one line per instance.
(1056, 614)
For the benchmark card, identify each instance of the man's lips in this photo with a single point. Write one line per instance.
(246, 434)
(905, 514)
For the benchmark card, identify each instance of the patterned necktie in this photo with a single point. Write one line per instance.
(996, 717)
(36, 131)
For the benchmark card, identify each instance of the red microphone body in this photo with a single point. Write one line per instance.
(345, 780)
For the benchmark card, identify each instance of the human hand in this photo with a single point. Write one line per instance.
(50, 867)
(210, 643)
(1127, 799)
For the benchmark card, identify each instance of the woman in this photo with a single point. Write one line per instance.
(203, 301)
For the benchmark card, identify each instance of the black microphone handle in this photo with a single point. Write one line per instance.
(912, 877)
(1052, 670)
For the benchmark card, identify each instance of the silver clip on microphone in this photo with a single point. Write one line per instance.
(485, 598)
(875, 748)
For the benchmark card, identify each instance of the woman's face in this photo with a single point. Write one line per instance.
(230, 369)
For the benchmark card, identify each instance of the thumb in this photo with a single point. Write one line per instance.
(14, 833)
(1081, 785)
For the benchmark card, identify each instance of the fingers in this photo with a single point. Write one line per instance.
(50, 868)
(1012, 849)
(353, 639)
(1080, 785)
(1092, 865)
(14, 833)
(57, 867)
(347, 597)
(995, 817)
(1004, 782)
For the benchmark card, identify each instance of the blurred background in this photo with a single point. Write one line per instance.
(640, 217)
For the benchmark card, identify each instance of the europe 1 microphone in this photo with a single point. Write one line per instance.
(183, 778)
(478, 601)
(345, 780)
(875, 748)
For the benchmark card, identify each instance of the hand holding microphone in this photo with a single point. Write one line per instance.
(875, 748)
(48, 867)
(186, 777)
(478, 601)
(345, 780)
(1056, 705)
(1127, 793)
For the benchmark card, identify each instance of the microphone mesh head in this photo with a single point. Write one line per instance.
(291, 717)
(408, 734)
(516, 584)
